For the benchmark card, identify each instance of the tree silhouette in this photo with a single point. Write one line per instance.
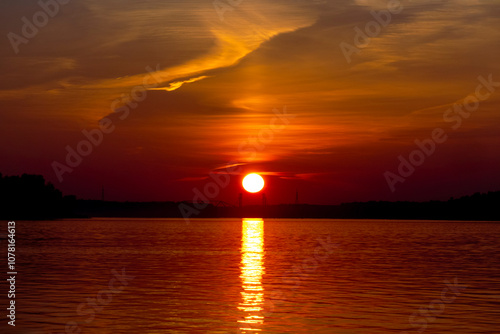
(30, 197)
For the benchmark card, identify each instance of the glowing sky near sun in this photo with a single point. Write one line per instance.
(218, 82)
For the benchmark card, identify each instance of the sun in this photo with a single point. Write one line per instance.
(253, 183)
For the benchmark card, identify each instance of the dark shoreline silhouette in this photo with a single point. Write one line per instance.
(28, 197)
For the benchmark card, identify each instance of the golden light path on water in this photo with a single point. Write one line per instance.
(252, 269)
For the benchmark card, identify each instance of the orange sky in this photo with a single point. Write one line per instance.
(212, 84)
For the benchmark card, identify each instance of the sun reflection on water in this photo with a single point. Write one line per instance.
(252, 269)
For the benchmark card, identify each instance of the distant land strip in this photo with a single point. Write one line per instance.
(29, 197)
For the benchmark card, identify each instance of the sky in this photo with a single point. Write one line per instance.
(339, 101)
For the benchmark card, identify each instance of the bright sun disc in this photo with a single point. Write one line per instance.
(253, 183)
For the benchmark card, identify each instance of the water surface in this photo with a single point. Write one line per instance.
(255, 275)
